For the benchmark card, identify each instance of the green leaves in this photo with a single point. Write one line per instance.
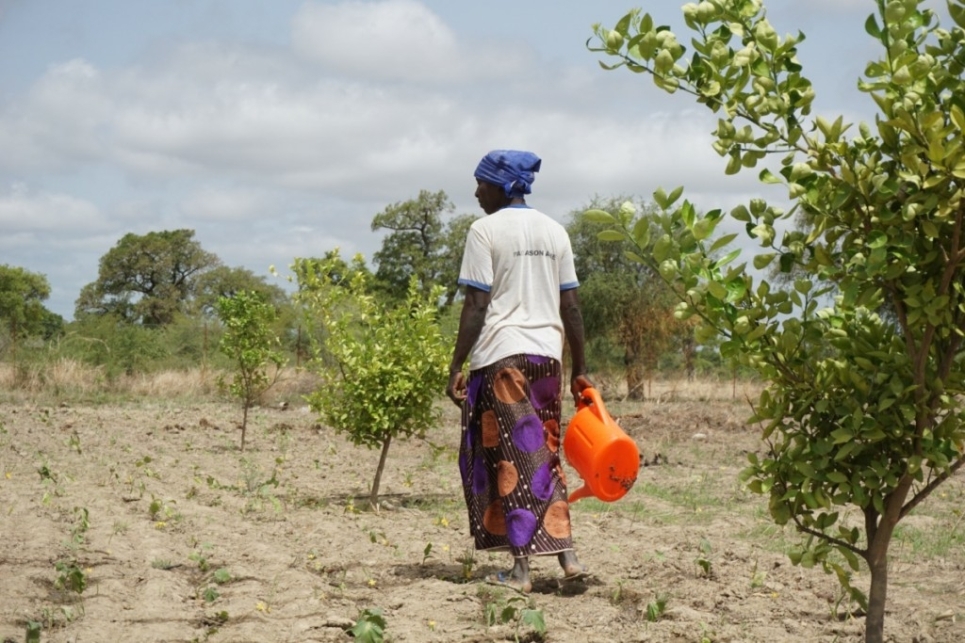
(250, 343)
(861, 344)
(382, 365)
(370, 626)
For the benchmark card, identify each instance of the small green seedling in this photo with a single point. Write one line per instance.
(468, 561)
(33, 632)
(370, 626)
(703, 559)
(656, 608)
(516, 610)
(70, 576)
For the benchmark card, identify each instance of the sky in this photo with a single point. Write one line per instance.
(279, 128)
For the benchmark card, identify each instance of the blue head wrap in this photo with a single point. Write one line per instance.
(512, 170)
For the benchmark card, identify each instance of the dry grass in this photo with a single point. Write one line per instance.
(65, 378)
(677, 389)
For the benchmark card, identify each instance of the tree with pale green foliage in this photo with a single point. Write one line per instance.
(383, 367)
(863, 411)
(623, 301)
(248, 340)
(22, 311)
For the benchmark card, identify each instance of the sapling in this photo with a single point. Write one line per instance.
(383, 367)
(249, 341)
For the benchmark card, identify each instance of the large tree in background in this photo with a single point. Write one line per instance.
(22, 312)
(420, 245)
(623, 300)
(147, 279)
(221, 281)
(863, 416)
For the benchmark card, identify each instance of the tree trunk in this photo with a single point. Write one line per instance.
(635, 376)
(879, 534)
(875, 620)
(690, 358)
(244, 424)
(374, 495)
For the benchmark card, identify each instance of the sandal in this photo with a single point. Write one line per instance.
(583, 574)
(506, 579)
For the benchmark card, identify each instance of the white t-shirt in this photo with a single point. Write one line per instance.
(523, 258)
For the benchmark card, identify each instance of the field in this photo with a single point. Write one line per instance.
(173, 534)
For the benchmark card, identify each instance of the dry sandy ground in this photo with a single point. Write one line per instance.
(188, 539)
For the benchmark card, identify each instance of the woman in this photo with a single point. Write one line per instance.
(520, 300)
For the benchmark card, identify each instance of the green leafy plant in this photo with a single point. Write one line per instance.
(221, 576)
(861, 339)
(34, 628)
(703, 560)
(78, 533)
(517, 611)
(70, 576)
(250, 343)
(656, 608)
(51, 483)
(155, 507)
(467, 561)
(383, 367)
(369, 626)
(200, 557)
(758, 577)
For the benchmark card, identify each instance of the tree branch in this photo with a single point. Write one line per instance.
(931, 486)
(831, 539)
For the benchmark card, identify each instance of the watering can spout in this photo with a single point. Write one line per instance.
(582, 492)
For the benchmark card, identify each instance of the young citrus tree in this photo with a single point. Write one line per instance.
(250, 343)
(382, 367)
(863, 416)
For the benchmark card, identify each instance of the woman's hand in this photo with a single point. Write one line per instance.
(577, 384)
(456, 390)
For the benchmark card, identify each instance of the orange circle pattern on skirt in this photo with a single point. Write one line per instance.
(490, 429)
(557, 520)
(509, 386)
(507, 477)
(494, 520)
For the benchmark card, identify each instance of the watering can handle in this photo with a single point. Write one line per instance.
(590, 397)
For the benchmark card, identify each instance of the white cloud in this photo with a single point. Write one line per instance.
(25, 212)
(56, 124)
(399, 40)
(215, 204)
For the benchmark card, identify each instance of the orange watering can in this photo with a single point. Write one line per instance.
(605, 457)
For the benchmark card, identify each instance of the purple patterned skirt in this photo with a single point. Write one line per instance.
(509, 457)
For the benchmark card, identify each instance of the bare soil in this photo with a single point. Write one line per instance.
(186, 538)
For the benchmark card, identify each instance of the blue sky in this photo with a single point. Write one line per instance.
(279, 128)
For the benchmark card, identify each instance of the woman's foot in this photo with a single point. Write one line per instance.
(517, 578)
(507, 579)
(572, 568)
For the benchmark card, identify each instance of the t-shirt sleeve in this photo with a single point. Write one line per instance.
(477, 262)
(568, 280)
